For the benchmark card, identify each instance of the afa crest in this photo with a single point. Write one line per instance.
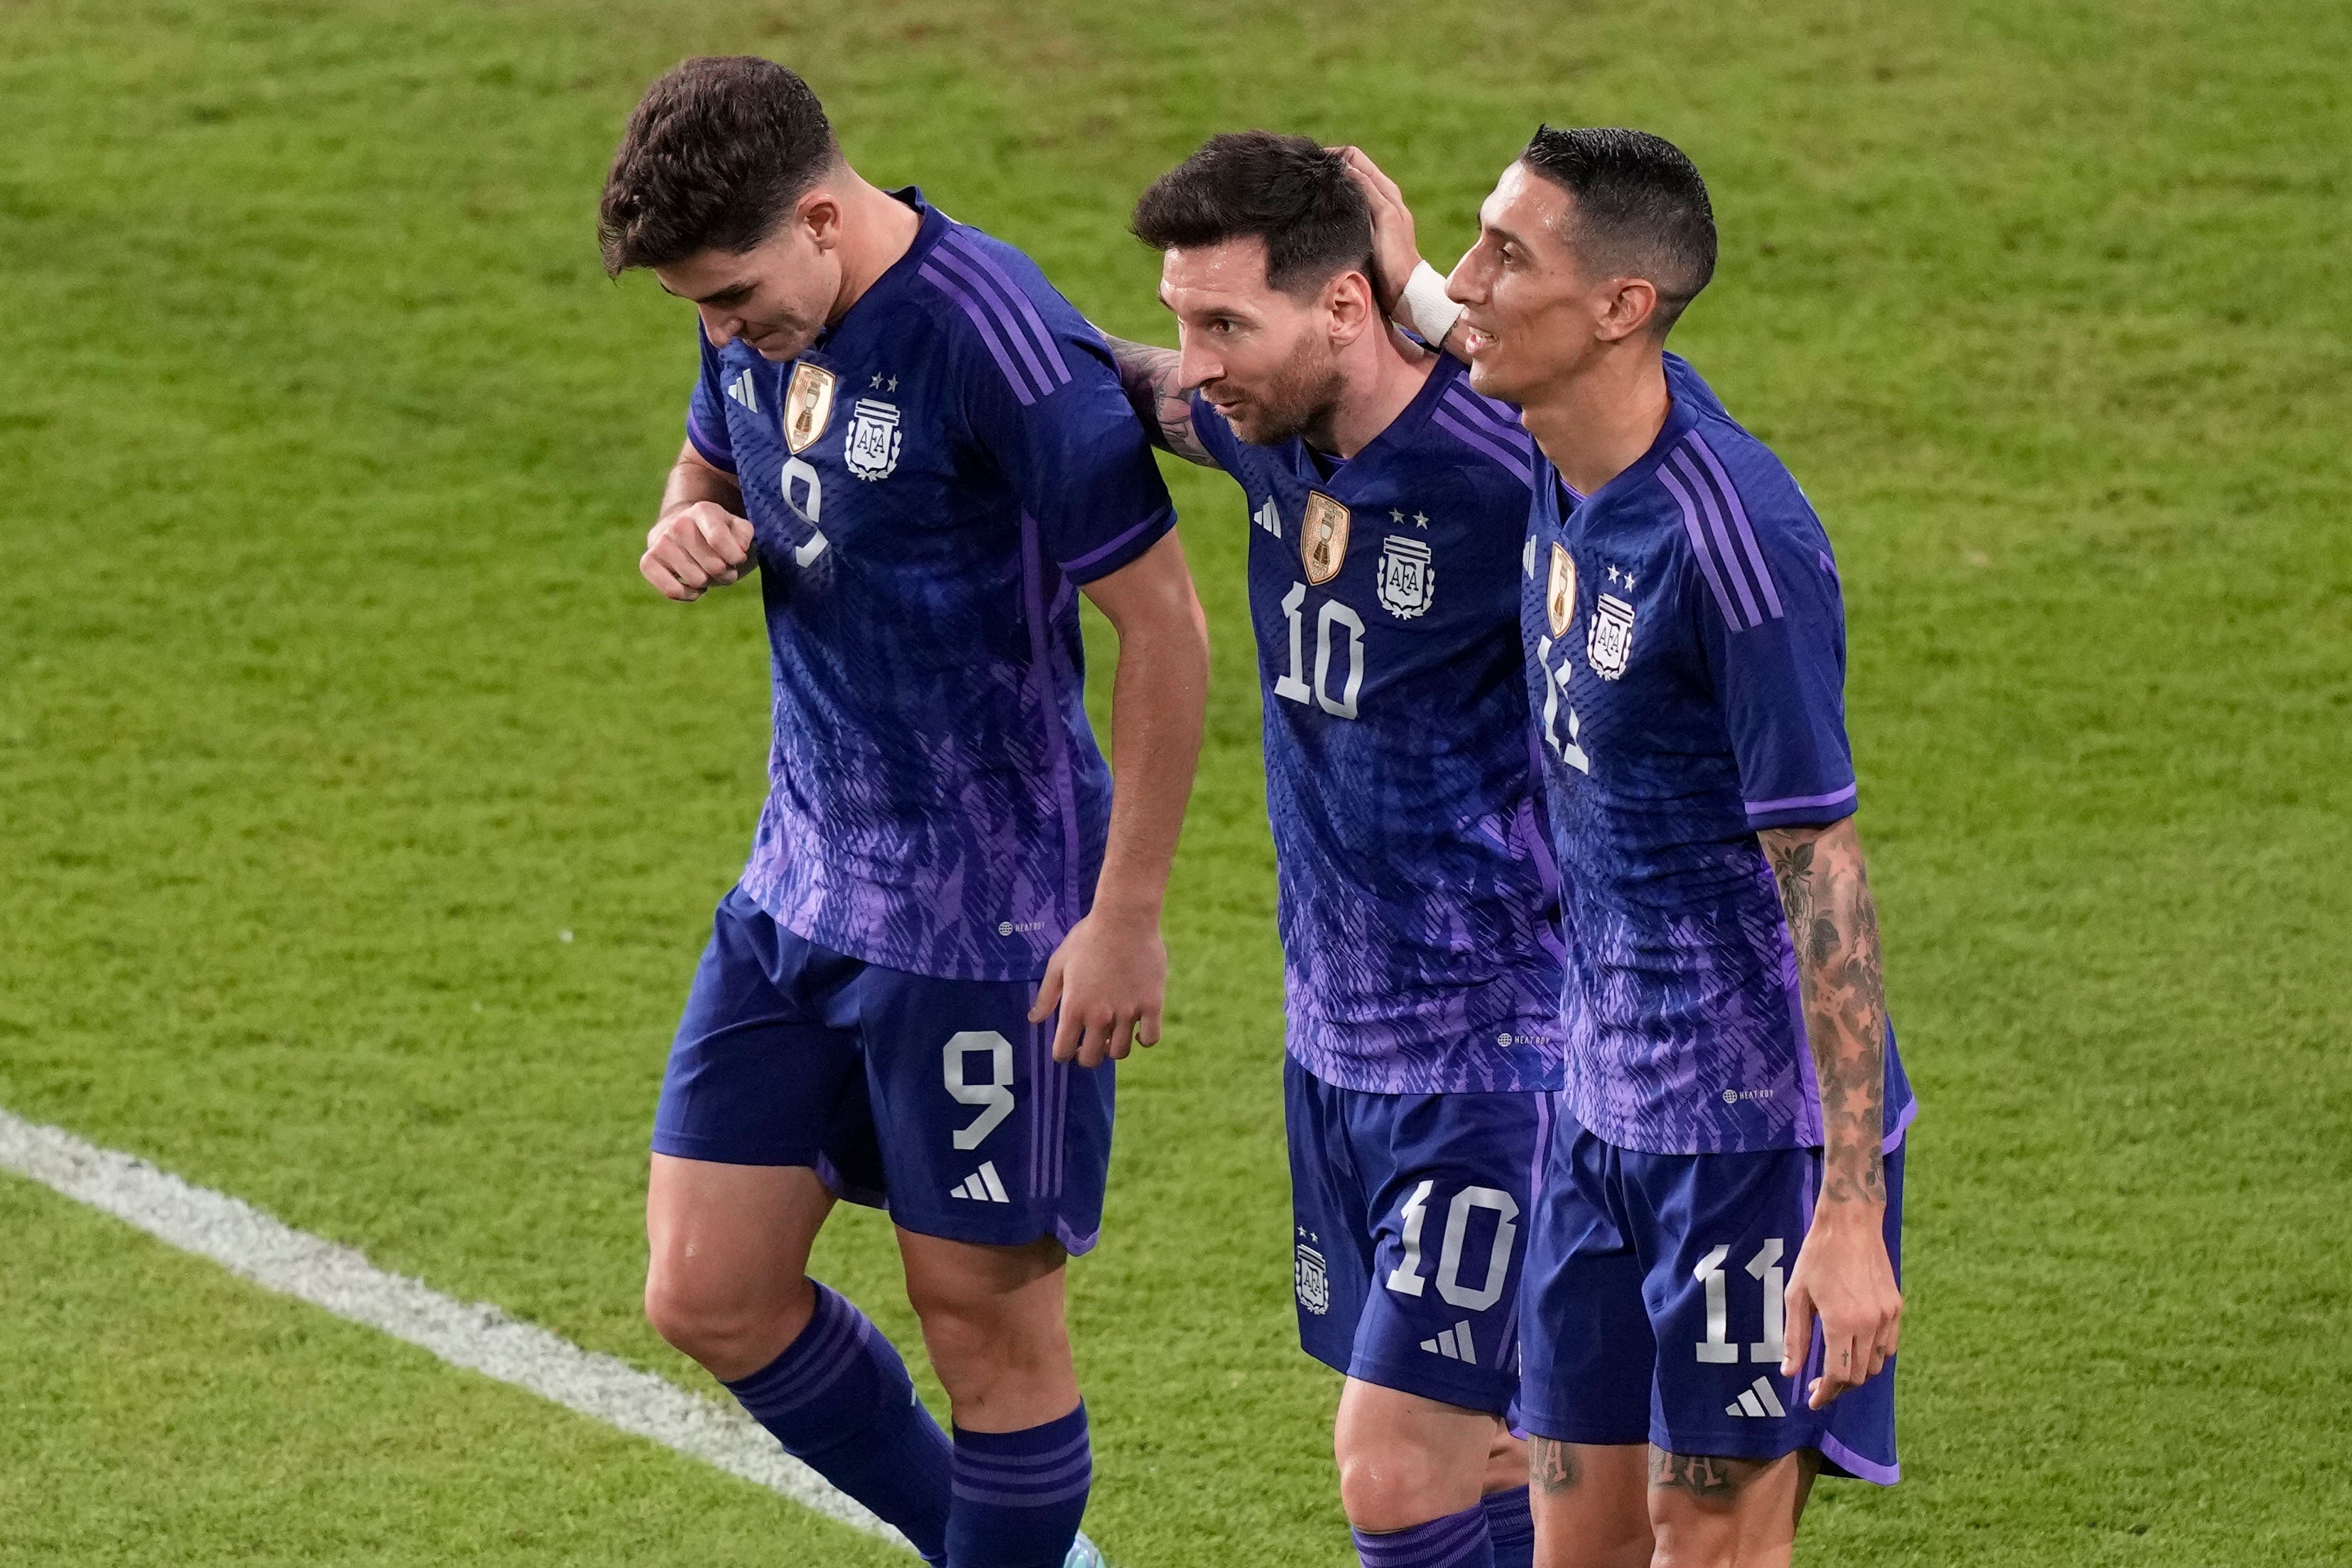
(1322, 538)
(808, 406)
(1313, 1283)
(1407, 580)
(1560, 594)
(1610, 644)
(871, 449)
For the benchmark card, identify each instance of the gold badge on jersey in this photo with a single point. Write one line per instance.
(1560, 598)
(1323, 537)
(808, 406)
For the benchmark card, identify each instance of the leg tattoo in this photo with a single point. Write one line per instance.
(1704, 1477)
(1551, 1465)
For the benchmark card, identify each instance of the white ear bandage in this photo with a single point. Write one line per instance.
(1424, 307)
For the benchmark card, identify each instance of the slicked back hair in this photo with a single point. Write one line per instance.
(714, 157)
(1640, 208)
(1288, 191)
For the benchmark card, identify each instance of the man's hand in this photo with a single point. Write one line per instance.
(1109, 977)
(1395, 251)
(695, 548)
(1844, 1279)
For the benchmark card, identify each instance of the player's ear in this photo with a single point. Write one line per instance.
(818, 215)
(1627, 308)
(1348, 306)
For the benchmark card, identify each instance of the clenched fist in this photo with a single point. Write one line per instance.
(695, 549)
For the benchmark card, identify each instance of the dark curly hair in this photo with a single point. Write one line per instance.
(714, 157)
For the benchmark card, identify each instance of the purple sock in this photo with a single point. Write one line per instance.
(1019, 1495)
(1512, 1526)
(839, 1400)
(1457, 1541)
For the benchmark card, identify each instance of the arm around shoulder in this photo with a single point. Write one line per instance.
(1149, 375)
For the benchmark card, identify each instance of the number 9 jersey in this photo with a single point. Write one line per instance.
(927, 486)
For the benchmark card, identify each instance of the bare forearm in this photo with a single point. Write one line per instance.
(1833, 924)
(1156, 392)
(1158, 700)
(694, 478)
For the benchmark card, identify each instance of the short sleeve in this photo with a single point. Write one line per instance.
(706, 414)
(1043, 395)
(1772, 621)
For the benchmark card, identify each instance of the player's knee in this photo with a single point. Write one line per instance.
(975, 1346)
(1387, 1483)
(728, 1334)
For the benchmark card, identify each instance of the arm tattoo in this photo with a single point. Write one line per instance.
(1551, 1465)
(1149, 375)
(1834, 925)
(1706, 1477)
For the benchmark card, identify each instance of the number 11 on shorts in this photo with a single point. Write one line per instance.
(1764, 1266)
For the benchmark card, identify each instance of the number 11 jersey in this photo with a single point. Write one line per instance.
(1417, 906)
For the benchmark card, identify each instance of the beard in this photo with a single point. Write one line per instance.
(1299, 402)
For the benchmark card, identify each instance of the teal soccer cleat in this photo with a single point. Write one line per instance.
(1085, 1553)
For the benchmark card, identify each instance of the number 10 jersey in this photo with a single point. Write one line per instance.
(1416, 903)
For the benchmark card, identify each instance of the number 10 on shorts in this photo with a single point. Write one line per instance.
(1405, 1278)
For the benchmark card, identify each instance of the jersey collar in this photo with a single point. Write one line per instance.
(1365, 467)
(895, 278)
(1683, 409)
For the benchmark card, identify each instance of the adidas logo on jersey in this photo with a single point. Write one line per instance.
(1453, 1344)
(1268, 518)
(740, 390)
(983, 1187)
(1759, 1400)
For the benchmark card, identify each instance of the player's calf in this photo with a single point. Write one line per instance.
(1024, 1460)
(727, 1286)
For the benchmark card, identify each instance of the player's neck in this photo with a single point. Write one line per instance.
(1597, 422)
(1386, 374)
(876, 229)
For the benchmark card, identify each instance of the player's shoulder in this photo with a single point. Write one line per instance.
(1733, 506)
(1717, 459)
(1482, 438)
(989, 300)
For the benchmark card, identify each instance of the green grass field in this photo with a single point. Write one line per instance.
(360, 811)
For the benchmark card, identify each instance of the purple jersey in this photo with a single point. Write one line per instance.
(929, 483)
(1416, 905)
(1688, 671)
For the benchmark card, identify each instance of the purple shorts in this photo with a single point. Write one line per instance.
(1409, 1213)
(1654, 1308)
(937, 1099)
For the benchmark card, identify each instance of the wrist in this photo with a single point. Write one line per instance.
(1424, 306)
(1125, 908)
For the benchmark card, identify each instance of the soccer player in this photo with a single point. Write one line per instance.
(1417, 904)
(950, 923)
(1713, 1268)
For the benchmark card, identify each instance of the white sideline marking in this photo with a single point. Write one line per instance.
(270, 1253)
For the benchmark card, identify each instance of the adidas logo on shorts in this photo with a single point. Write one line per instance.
(984, 1186)
(1757, 1399)
(1453, 1344)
